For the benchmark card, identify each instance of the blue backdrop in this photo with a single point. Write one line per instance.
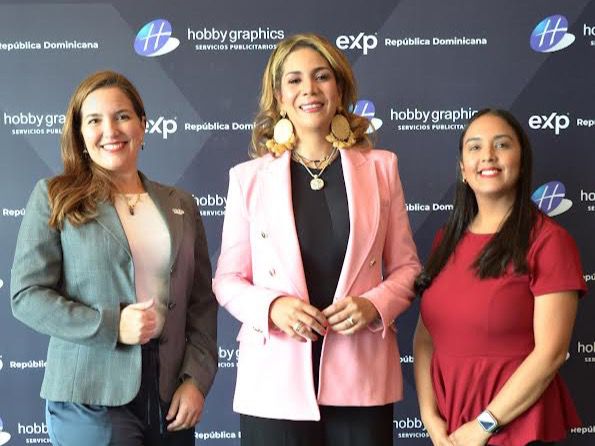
(424, 67)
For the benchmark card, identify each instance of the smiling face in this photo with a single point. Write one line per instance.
(112, 131)
(491, 158)
(308, 93)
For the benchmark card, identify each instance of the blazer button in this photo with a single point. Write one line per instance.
(372, 262)
(272, 272)
(171, 306)
(263, 234)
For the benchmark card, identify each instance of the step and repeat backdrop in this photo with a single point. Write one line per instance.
(424, 67)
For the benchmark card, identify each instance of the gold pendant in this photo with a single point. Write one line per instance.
(316, 183)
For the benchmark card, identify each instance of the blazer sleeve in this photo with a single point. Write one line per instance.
(200, 357)
(400, 262)
(233, 283)
(36, 287)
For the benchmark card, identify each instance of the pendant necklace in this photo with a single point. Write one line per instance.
(132, 202)
(316, 183)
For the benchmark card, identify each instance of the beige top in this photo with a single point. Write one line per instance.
(150, 244)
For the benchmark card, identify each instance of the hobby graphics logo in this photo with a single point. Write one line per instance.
(550, 198)
(366, 109)
(551, 34)
(4, 436)
(154, 39)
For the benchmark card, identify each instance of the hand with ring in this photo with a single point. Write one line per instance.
(350, 314)
(298, 319)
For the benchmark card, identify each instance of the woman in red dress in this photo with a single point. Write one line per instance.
(499, 299)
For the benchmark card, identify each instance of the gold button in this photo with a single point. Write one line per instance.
(372, 262)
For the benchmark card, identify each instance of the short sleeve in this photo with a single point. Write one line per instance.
(554, 262)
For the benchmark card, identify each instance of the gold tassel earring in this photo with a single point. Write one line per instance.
(341, 136)
(283, 136)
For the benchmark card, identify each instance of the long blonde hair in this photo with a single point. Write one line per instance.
(268, 113)
(75, 193)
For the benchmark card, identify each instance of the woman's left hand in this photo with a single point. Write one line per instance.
(350, 314)
(470, 434)
(186, 407)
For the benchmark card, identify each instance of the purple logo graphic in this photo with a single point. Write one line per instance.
(551, 34)
(4, 436)
(550, 198)
(154, 39)
(366, 109)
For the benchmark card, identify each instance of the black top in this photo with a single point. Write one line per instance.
(322, 223)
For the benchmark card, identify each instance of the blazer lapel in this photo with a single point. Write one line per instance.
(107, 217)
(275, 196)
(166, 200)
(363, 200)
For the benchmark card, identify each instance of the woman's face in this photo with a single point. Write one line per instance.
(309, 92)
(491, 158)
(111, 129)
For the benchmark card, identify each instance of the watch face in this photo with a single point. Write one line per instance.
(487, 422)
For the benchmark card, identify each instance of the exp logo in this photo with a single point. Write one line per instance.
(550, 198)
(4, 436)
(364, 42)
(161, 126)
(154, 39)
(366, 109)
(551, 34)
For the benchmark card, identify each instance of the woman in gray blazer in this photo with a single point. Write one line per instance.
(115, 269)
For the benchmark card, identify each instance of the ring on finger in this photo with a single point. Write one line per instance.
(298, 327)
(350, 321)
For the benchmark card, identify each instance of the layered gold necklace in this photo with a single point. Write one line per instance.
(316, 183)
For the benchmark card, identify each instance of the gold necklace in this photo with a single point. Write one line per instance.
(316, 183)
(132, 202)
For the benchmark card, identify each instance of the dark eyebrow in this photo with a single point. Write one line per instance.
(315, 70)
(502, 136)
(95, 115)
(473, 138)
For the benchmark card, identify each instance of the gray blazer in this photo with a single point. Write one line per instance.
(72, 283)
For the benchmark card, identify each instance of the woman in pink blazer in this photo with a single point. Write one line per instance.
(317, 260)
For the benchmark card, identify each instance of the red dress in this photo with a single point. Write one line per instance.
(483, 329)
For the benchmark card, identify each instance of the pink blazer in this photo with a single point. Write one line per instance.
(260, 260)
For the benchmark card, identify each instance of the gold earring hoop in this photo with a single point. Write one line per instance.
(283, 136)
(341, 136)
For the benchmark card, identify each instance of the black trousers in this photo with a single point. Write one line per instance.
(338, 426)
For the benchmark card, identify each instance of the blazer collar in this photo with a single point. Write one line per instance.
(278, 204)
(363, 198)
(165, 200)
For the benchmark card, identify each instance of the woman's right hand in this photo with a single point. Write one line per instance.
(137, 323)
(436, 427)
(297, 319)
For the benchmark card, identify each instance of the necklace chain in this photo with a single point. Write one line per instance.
(132, 202)
(316, 183)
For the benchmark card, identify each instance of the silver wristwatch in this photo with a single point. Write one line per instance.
(488, 422)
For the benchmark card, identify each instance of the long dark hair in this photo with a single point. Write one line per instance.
(511, 242)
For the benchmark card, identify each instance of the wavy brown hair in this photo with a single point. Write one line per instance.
(75, 193)
(268, 113)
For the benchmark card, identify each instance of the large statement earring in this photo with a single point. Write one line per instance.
(341, 135)
(283, 136)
